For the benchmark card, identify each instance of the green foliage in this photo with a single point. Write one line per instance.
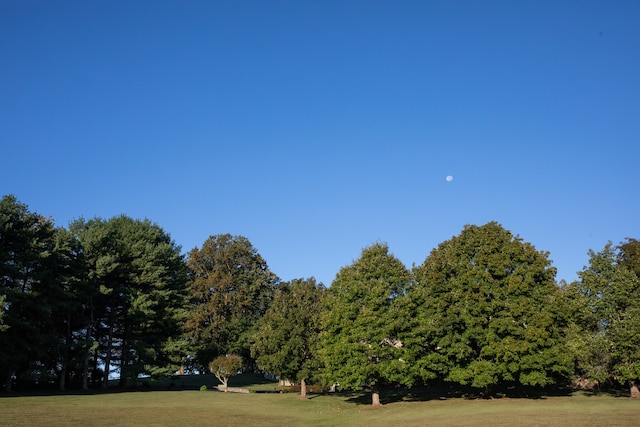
(366, 321)
(489, 311)
(482, 309)
(629, 256)
(606, 313)
(30, 292)
(203, 388)
(286, 338)
(231, 289)
(139, 293)
(224, 367)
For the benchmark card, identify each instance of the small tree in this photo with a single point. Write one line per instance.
(286, 338)
(224, 367)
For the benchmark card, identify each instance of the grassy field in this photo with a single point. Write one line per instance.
(196, 408)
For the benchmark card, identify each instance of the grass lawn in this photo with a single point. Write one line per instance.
(196, 408)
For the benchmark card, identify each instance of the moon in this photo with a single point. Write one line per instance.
(449, 178)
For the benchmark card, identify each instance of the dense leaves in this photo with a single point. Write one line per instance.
(366, 322)
(488, 310)
(139, 280)
(606, 333)
(286, 340)
(30, 292)
(231, 289)
(116, 298)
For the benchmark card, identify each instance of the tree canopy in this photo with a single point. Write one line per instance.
(115, 297)
(488, 311)
(286, 339)
(139, 280)
(365, 323)
(607, 316)
(29, 290)
(231, 288)
(225, 367)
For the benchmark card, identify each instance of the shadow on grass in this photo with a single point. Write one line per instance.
(174, 383)
(393, 394)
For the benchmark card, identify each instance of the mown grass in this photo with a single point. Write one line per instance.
(249, 381)
(195, 408)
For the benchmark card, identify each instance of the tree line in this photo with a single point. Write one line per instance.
(115, 297)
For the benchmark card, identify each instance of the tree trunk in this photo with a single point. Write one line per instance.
(87, 356)
(85, 372)
(107, 359)
(487, 393)
(95, 373)
(124, 365)
(375, 396)
(125, 353)
(65, 357)
(85, 361)
(63, 376)
(225, 384)
(8, 382)
(633, 388)
(303, 389)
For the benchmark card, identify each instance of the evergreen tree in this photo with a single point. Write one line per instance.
(29, 290)
(69, 311)
(140, 280)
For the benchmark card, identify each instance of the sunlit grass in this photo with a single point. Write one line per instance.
(195, 408)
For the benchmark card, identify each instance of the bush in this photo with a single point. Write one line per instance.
(203, 388)
(311, 388)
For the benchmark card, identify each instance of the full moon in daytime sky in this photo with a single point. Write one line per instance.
(449, 178)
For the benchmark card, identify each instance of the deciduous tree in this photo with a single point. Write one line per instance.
(489, 312)
(231, 289)
(365, 323)
(225, 367)
(285, 343)
(608, 292)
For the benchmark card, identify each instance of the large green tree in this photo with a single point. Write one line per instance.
(286, 340)
(230, 291)
(69, 313)
(30, 293)
(140, 281)
(488, 309)
(607, 316)
(365, 323)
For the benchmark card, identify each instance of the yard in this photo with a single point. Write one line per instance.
(197, 408)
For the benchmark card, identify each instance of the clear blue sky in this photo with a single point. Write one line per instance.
(316, 128)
